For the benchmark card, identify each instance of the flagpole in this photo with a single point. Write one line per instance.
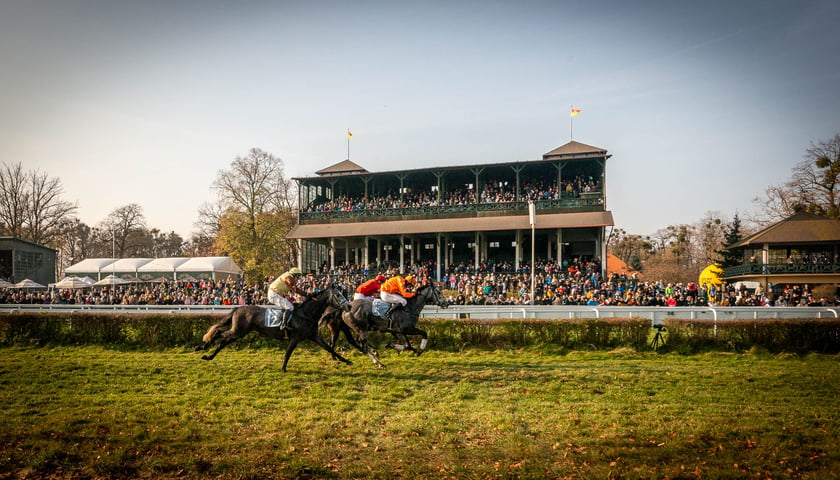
(571, 122)
(348, 143)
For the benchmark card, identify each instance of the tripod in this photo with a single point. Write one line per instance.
(658, 340)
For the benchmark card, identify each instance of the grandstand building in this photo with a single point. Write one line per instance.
(449, 216)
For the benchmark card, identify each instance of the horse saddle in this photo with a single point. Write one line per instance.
(274, 318)
(380, 308)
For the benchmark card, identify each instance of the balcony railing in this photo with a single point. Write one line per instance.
(781, 269)
(585, 203)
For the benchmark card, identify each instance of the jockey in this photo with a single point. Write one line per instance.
(395, 291)
(279, 289)
(369, 289)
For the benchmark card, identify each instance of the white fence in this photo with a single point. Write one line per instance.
(655, 314)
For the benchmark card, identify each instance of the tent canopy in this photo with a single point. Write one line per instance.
(148, 269)
(71, 282)
(27, 283)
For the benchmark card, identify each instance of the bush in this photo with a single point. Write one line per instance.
(159, 331)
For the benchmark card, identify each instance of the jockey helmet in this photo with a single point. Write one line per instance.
(410, 279)
(381, 278)
(295, 271)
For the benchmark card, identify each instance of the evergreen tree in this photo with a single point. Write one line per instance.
(732, 234)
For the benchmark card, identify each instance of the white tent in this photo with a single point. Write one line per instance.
(217, 268)
(71, 282)
(27, 283)
(90, 267)
(126, 267)
(111, 280)
(160, 268)
(5, 284)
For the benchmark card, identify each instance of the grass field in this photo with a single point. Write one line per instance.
(91, 412)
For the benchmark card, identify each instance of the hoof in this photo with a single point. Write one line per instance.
(205, 357)
(198, 348)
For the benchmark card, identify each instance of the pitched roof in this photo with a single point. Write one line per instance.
(398, 227)
(575, 149)
(345, 166)
(800, 227)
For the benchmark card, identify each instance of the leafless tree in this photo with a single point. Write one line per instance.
(31, 207)
(123, 228)
(814, 186)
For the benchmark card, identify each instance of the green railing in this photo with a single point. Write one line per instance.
(781, 269)
(582, 204)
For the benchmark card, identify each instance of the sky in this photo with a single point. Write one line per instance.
(702, 105)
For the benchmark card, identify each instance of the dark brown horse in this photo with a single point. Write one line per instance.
(360, 319)
(302, 326)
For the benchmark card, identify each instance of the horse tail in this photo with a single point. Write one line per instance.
(227, 320)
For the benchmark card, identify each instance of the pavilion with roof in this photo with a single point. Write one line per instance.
(456, 215)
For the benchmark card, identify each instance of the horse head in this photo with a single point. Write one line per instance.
(338, 299)
(432, 295)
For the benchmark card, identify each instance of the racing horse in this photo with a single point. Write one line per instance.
(360, 319)
(303, 325)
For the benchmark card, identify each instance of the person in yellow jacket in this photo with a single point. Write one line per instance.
(396, 290)
(278, 290)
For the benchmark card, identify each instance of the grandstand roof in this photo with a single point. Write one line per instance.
(343, 167)
(570, 151)
(574, 149)
(557, 220)
(800, 227)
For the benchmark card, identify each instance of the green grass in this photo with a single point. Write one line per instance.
(91, 412)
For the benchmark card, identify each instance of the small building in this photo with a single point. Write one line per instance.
(802, 249)
(21, 259)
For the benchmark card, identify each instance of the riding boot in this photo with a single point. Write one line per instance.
(391, 310)
(284, 320)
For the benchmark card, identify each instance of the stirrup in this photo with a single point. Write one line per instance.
(284, 320)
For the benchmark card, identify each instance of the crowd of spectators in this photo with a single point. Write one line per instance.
(491, 192)
(575, 282)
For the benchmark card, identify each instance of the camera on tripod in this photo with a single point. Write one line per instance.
(658, 340)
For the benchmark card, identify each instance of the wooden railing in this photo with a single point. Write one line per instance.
(589, 202)
(781, 269)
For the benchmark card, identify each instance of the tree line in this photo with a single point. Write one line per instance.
(680, 252)
(255, 206)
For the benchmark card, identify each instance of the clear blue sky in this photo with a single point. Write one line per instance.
(701, 104)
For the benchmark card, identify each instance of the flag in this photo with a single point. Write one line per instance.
(575, 112)
(349, 134)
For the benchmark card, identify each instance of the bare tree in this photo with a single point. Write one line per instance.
(814, 186)
(124, 229)
(13, 199)
(209, 220)
(47, 214)
(709, 234)
(254, 213)
(31, 207)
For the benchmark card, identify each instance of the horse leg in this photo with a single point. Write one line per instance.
(206, 345)
(227, 340)
(368, 350)
(214, 332)
(293, 341)
(348, 335)
(320, 341)
(415, 331)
